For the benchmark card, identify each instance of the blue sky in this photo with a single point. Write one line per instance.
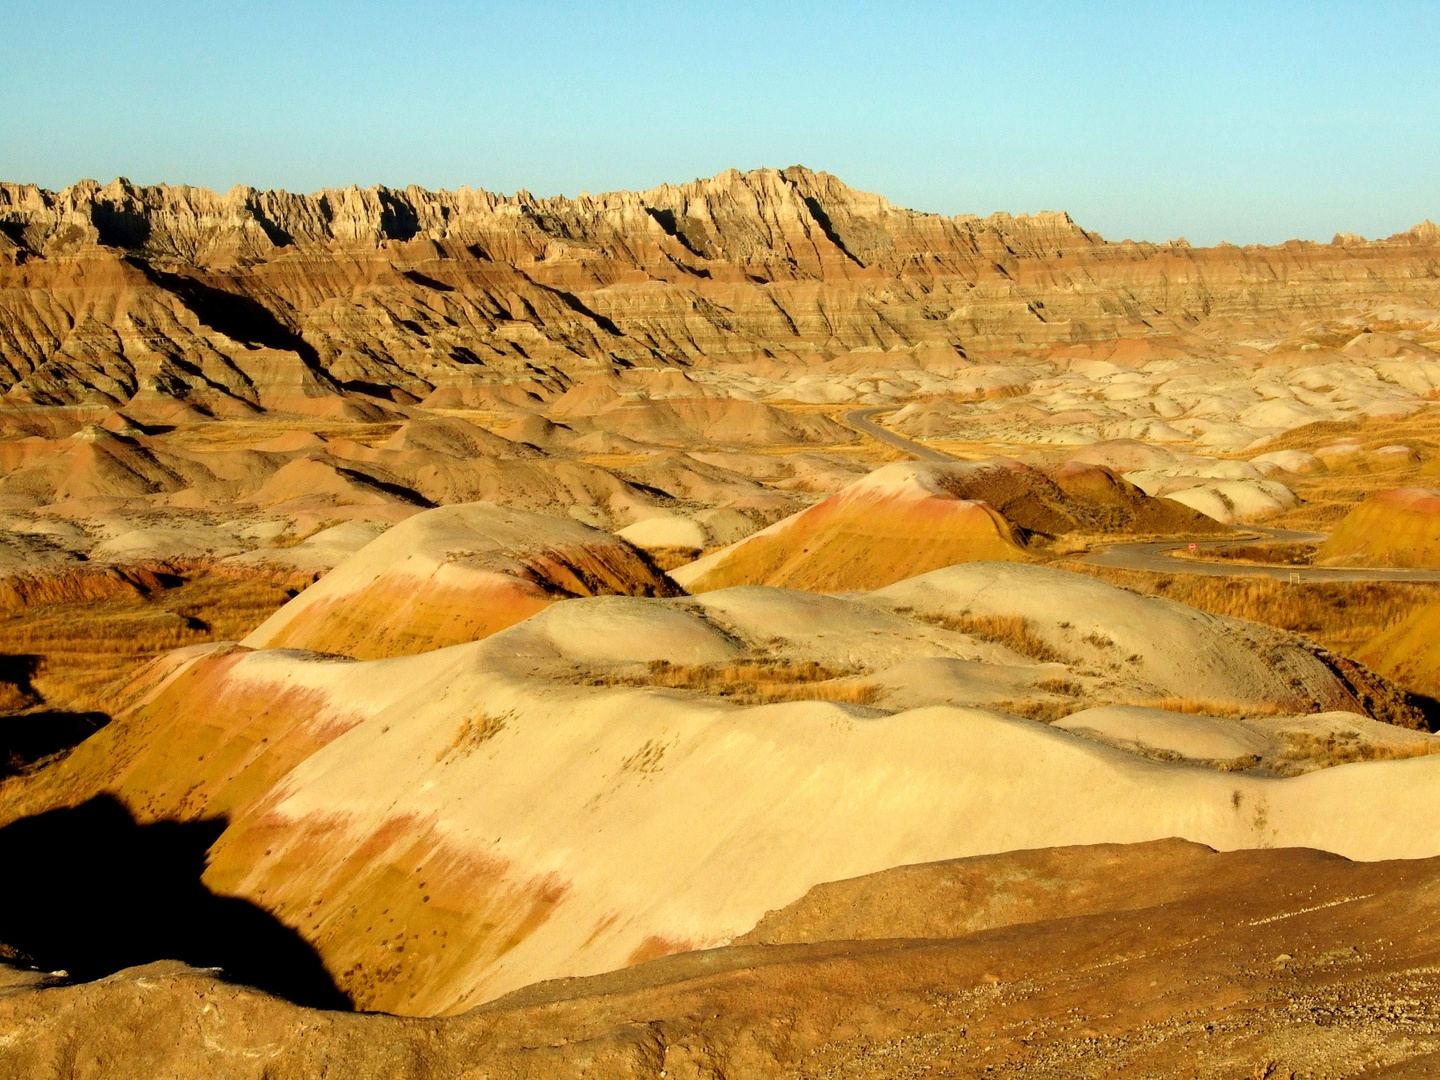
(1242, 122)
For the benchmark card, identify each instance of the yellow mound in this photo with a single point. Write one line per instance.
(1394, 528)
(1409, 651)
(454, 574)
(888, 526)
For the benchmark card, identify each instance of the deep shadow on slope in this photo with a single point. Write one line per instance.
(35, 737)
(92, 891)
(236, 316)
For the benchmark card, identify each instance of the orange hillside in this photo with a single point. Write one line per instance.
(893, 524)
(454, 574)
(1394, 528)
(1409, 651)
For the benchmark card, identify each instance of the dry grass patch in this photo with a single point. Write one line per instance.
(669, 558)
(1306, 750)
(752, 682)
(85, 649)
(1208, 707)
(1065, 687)
(1268, 554)
(1340, 615)
(1013, 631)
(1045, 710)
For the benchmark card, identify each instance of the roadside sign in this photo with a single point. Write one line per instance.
(1192, 547)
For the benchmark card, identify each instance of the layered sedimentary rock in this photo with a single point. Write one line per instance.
(250, 298)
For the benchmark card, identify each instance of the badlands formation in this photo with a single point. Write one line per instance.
(728, 630)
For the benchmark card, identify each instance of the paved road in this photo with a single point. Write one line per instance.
(860, 420)
(1151, 556)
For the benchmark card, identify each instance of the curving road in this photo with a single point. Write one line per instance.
(859, 419)
(1151, 556)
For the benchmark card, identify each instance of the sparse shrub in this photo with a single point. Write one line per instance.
(1207, 707)
(1060, 686)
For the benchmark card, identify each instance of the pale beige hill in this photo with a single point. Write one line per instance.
(699, 761)
(454, 574)
(1158, 959)
(1194, 656)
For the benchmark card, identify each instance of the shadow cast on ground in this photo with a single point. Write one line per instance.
(92, 891)
(36, 737)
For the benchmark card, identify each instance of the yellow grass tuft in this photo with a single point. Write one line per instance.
(471, 735)
(1208, 707)
(1012, 631)
(1305, 750)
(1045, 710)
(752, 682)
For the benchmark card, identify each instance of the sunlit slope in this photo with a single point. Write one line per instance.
(1409, 651)
(892, 524)
(454, 574)
(1394, 528)
(923, 967)
(447, 826)
(910, 518)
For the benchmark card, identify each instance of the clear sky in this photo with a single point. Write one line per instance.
(1251, 122)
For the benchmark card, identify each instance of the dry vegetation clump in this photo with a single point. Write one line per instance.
(84, 649)
(16, 694)
(1340, 615)
(295, 539)
(1207, 707)
(1306, 751)
(473, 734)
(1064, 687)
(1012, 631)
(1045, 710)
(1270, 554)
(751, 682)
(13, 699)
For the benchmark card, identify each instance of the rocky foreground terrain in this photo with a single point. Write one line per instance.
(737, 629)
